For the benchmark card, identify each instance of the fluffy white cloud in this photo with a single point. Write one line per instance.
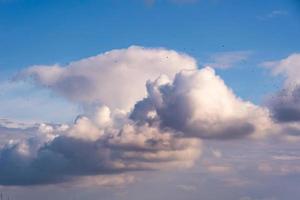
(161, 132)
(199, 104)
(62, 153)
(288, 67)
(179, 106)
(115, 78)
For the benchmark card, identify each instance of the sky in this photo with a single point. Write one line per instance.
(150, 99)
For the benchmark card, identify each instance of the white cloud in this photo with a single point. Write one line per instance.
(115, 78)
(288, 67)
(199, 104)
(175, 106)
(63, 153)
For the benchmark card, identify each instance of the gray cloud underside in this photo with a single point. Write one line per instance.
(198, 104)
(129, 127)
(46, 160)
(285, 106)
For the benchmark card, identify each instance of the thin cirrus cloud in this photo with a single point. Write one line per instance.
(155, 121)
(226, 60)
(273, 14)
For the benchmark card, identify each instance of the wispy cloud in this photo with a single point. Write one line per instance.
(228, 59)
(273, 14)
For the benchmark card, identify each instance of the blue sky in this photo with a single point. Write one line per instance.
(59, 87)
(49, 32)
(63, 31)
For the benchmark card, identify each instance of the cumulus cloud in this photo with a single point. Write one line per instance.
(285, 104)
(288, 67)
(62, 153)
(199, 104)
(115, 78)
(15, 131)
(161, 132)
(148, 109)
